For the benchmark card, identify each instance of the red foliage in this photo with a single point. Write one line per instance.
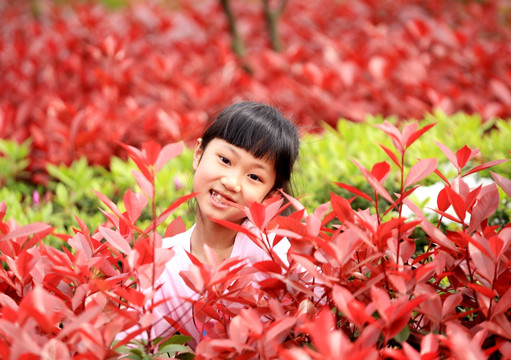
(79, 79)
(357, 282)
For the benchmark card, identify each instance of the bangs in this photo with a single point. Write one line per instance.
(255, 137)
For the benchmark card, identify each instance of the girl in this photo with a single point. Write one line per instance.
(246, 154)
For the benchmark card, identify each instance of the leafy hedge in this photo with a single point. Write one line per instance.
(78, 78)
(368, 283)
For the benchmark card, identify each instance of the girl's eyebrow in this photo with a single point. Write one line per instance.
(259, 163)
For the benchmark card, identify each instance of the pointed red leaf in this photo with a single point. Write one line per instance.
(486, 205)
(352, 308)
(341, 208)
(450, 155)
(145, 185)
(111, 205)
(282, 325)
(151, 150)
(392, 155)
(381, 171)
(504, 303)
(115, 239)
(420, 170)
(134, 204)
(460, 208)
(355, 191)
(268, 266)
(26, 230)
(177, 226)
(504, 183)
(374, 182)
(395, 135)
(138, 158)
(417, 134)
(167, 212)
(437, 236)
(485, 166)
(168, 152)
(442, 200)
(482, 290)
(463, 155)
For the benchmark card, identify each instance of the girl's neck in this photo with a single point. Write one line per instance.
(219, 238)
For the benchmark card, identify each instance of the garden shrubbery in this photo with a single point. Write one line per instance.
(400, 235)
(368, 282)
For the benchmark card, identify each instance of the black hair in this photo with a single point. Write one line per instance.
(261, 130)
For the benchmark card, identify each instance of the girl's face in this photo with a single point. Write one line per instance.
(227, 172)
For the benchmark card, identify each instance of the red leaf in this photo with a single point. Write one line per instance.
(485, 166)
(166, 154)
(150, 150)
(341, 208)
(374, 183)
(463, 155)
(395, 135)
(167, 212)
(420, 170)
(442, 200)
(482, 290)
(25, 230)
(486, 205)
(134, 204)
(22, 265)
(177, 226)
(111, 205)
(460, 208)
(281, 326)
(352, 308)
(381, 171)
(417, 134)
(145, 185)
(268, 266)
(137, 156)
(504, 183)
(436, 234)
(115, 239)
(354, 191)
(449, 154)
(504, 304)
(392, 155)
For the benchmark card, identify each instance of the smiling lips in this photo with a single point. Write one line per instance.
(220, 200)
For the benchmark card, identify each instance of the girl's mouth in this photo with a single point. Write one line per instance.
(219, 200)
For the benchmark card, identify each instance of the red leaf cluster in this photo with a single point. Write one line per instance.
(78, 79)
(356, 282)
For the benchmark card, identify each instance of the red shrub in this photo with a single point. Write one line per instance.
(358, 283)
(78, 79)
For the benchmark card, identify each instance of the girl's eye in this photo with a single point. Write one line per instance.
(254, 177)
(224, 160)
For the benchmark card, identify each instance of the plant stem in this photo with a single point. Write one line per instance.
(237, 42)
(271, 22)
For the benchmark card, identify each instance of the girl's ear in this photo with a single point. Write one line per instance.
(197, 153)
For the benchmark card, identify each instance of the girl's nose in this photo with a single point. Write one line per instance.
(231, 183)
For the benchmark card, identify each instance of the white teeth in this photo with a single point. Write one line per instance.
(218, 197)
